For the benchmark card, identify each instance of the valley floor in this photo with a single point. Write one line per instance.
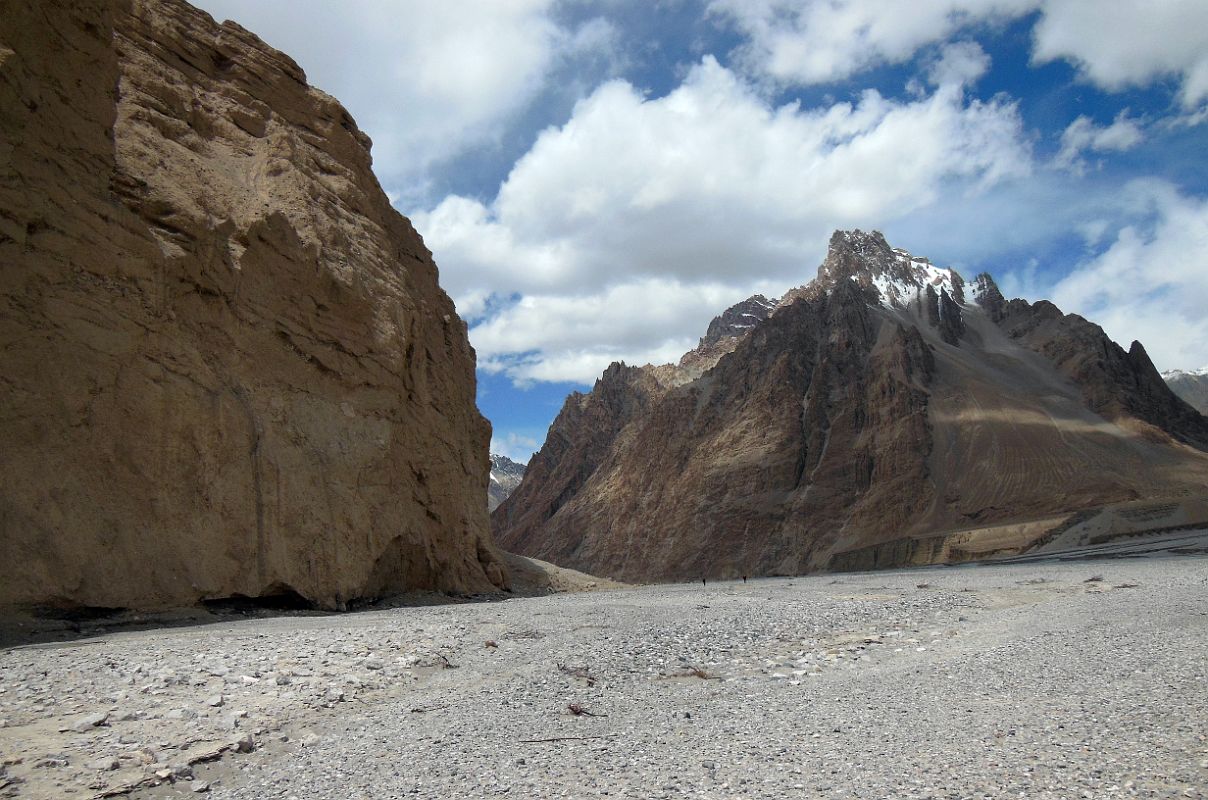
(1042, 680)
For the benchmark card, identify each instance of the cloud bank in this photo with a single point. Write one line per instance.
(627, 228)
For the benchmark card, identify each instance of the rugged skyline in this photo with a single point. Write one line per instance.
(597, 180)
(887, 413)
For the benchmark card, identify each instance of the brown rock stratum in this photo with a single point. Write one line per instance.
(227, 365)
(884, 400)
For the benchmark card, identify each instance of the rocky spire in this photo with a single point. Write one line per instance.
(986, 294)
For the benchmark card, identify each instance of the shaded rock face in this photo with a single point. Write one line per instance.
(873, 404)
(578, 441)
(739, 318)
(1192, 387)
(724, 333)
(1122, 386)
(228, 367)
(505, 477)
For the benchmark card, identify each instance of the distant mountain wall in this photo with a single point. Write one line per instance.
(884, 400)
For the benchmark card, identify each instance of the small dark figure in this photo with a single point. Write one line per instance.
(703, 582)
(744, 578)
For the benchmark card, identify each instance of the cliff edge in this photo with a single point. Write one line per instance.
(228, 368)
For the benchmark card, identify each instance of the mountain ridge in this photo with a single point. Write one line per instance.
(870, 404)
(505, 476)
(1190, 385)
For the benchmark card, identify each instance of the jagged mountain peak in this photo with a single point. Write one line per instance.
(896, 276)
(738, 319)
(503, 463)
(506, 475)
(986, 294)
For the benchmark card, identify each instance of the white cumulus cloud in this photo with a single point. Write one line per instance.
(959, 63)
(1084, 135)
(693, 199)
(426, 80)
(1115, 43)
(819, 41)
(1125, 43)
(1150, 283)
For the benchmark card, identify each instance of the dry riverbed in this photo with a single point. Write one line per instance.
(1070, 680)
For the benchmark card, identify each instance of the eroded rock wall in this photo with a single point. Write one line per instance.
(228, 367)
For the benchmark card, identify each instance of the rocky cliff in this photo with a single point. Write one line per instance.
(1191, 386)
(884, 399)
(228, 368)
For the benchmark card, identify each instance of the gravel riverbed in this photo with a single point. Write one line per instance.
(1071, 680)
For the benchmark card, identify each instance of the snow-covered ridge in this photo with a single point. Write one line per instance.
(898, 277)
(1172, 374)
(505, 477)
(909, 278)
(981, 287)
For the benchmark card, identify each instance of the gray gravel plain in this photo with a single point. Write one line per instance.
(1046, 680)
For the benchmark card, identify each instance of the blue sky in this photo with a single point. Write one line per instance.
(597, 180)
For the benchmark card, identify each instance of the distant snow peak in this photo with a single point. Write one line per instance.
(506, 475)
(1172, 374)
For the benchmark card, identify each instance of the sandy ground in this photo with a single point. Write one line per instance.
(1062, 680)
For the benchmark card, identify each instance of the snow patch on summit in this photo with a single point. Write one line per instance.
(898, 287)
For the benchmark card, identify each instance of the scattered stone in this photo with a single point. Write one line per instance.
(199, 786)
(52, 762)
(105, 764)
(87, 723)
(633, 645)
